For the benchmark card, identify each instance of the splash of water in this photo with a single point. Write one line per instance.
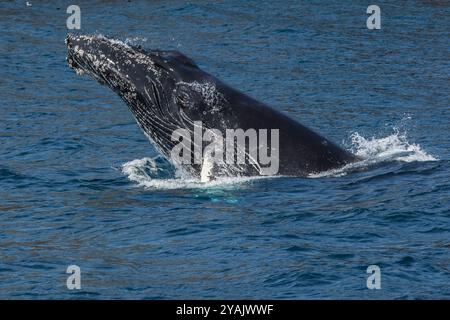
(157, 173)
(134, 41)
(394, 147)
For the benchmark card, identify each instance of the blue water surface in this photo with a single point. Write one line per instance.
(67, 198)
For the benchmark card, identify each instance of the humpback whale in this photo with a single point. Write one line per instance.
(167, 91)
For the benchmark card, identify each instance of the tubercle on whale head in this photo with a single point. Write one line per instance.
(120, 53)
(163, 77)
(99, 57)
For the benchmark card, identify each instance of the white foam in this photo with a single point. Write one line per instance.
(394, 147)
(136, 170)
(145, 173)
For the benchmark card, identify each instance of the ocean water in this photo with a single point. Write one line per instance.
(80, 184)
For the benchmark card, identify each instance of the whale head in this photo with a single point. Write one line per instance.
(165, 90)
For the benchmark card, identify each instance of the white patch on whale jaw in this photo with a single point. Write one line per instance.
(211, 170)
(207, 173)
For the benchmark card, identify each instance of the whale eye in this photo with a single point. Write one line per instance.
(183, 97)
